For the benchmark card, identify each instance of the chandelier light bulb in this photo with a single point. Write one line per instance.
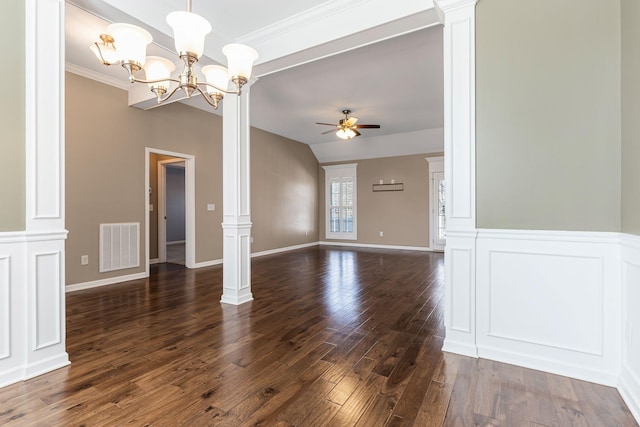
(132, 42)
(158, 68)
(106, 50)
(216, 75)
(189, 31)
(240, 60)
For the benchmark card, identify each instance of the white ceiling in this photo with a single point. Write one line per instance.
(381, 59)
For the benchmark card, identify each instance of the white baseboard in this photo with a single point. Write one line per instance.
(369, 245)
(460, 348)
(207, 263)
(154, 261)
(629, 388)
(176, 242)
(105, 282)
(285, 249)
(557, 367)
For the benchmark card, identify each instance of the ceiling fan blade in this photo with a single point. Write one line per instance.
(328, 124)
(329, 131)
(367, 126)
(356, 132)
(351, 121)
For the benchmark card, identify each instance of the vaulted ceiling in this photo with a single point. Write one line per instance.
(381, 59)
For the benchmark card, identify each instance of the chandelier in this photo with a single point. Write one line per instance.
(189, 31)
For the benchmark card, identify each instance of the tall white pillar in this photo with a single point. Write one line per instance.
(236, 199)
(458, 17)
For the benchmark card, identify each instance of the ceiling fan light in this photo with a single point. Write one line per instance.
(132, 42)
(216, 75)
(240, 59)
(189, 31)
(345, 133)
(158, 68)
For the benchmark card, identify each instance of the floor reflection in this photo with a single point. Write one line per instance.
(341, 285)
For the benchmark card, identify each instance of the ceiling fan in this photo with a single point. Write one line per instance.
(347, 127)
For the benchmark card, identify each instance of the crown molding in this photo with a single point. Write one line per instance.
(94, 75)
(328, 22)
(300, 20)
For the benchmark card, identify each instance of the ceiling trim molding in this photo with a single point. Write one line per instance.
(327, 23)
(99, 77)
(300, 20)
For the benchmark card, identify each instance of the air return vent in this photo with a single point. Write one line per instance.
(119, 246)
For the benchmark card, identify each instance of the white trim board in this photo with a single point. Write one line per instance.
(105, 282)
(374, 246)
(284, 249)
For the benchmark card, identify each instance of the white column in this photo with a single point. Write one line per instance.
(44, 279)
(458, 17)
(236, 199)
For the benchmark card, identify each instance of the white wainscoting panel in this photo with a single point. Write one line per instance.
(460, 296)
(630, 373)
(13, 299)
(47, 294)
(45, 325)
(5, 306)
(550, 301)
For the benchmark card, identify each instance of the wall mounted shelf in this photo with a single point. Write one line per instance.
(398, 186)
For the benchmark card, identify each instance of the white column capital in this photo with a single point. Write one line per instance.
(447, 7)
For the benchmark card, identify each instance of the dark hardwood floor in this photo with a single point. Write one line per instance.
(335, 337)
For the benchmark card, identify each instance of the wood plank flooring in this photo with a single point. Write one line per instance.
(335, 337)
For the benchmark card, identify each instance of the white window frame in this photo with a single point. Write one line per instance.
(330, 173)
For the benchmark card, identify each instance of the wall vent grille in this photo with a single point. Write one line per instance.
(119, 246)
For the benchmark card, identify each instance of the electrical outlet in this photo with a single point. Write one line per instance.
(211, 207)
(150, 208)
(84, 260)
(382, 234)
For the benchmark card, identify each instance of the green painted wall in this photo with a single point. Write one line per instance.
(630, 116)
(12, 121)
(548, 114)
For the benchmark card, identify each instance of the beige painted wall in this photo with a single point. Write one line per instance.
(403, 216)
(105, 172)
(12, 104)
(284, 192)
(630, 116)
(548, 114)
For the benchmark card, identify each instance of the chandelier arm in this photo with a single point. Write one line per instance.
(230, 92)
(163, 99)
(205, 95)
(134, 79)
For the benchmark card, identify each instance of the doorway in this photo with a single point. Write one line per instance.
(170, 185)
(171, 211)
(436, 203)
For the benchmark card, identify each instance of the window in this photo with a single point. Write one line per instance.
(341, 201)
